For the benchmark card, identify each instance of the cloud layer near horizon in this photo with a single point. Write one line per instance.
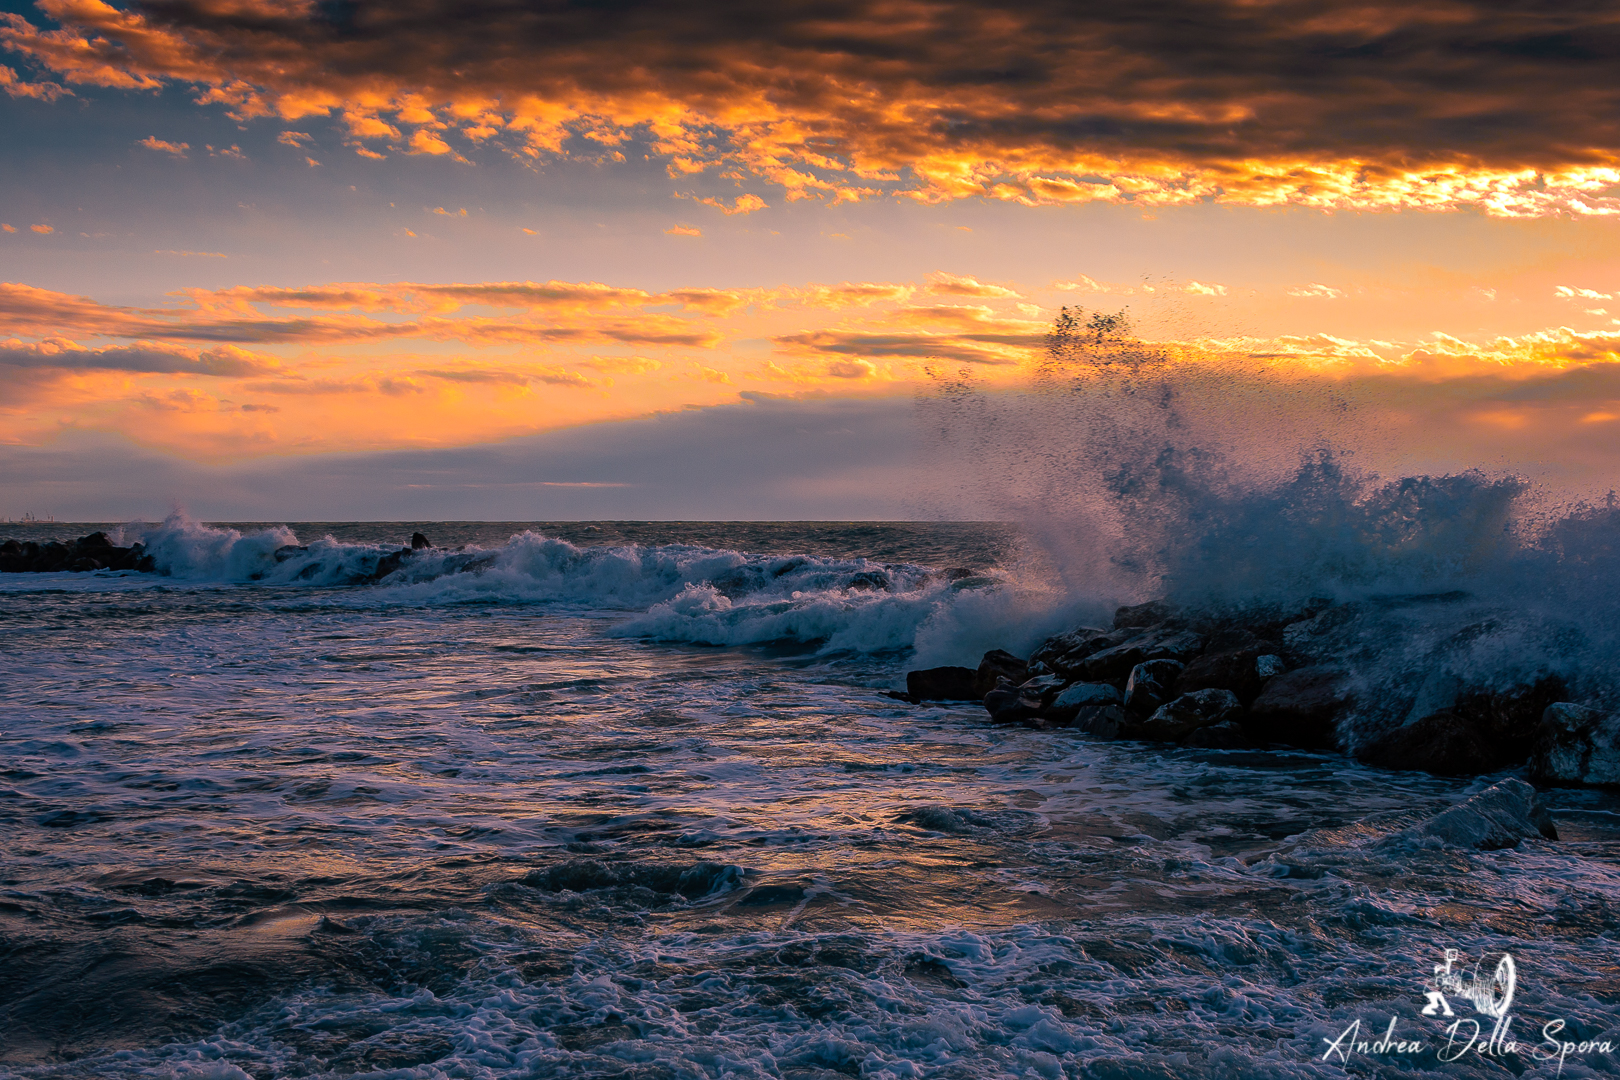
(1511, 107)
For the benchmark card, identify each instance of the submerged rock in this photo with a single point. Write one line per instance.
(1576, 745)
(1498, 817)
(942, 684)
(1189, 712)
(1227, 735)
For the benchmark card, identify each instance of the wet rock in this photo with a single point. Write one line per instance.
(84, 555)
(1067, 704)
(942, 684)
(999, 664)
(1576, 746)
(1115, 664)
(1302, 707)
(1498, 817)
(1100, 721)
(1148, 686)
(1442, 743)
(287, 551)
(1007, 704)
(1062, 653)
(1177, 719)
(1269, 666)
(1227, 735)
(1045, 687)
(1235, 669)
(1152, 613)
(389, 563)
(419, 541)
(1483, 731)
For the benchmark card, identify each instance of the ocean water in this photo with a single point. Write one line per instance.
(627, 800)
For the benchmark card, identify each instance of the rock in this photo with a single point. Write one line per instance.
(1232, 669)
(385, 565)
(1269, 666)
(1482, 732)
(1576, 745)
(84, 555)
(998, 664)
(1100, 721)
(1151, 613)
(1442, 743)
(942, 684)
(1179, 718)
(1007, 704)
(1045, 687)
(1115, 664)
(1498, 817)
(1149, 686)
(1302, 707)
(1076, 644)
(418, 542)
(1067, 705)
(1227, 735)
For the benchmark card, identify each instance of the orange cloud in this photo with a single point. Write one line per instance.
(1511, 110)
(152, 142)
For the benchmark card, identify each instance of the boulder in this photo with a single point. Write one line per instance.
(1177, 719)
(1100, 721)
(419, 541)
(1483, 731)
(1007, 704)
(84, 555)
(942, 684)
(1149, 684)
(1443, 743)
(1302, 707)
(1064, 651)
(1152, 613)
(998, 664)
(1575, 746)
(1115, 664)
(1235, 669)
(1067, 705)
(1498, 817)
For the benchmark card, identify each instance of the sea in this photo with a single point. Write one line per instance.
(631, 800)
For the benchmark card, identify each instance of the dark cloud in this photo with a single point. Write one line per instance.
(1428, 103)
(151, 359)
(766, 459)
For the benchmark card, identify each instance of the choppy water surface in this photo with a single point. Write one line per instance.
(634, 806)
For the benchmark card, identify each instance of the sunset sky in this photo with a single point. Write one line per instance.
(339, 259)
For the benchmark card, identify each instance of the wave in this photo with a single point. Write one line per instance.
(672, 592)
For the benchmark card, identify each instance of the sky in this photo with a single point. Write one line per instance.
(539, 260)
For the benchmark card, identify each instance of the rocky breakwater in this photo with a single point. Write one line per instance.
(1292, 678)
(87, 553)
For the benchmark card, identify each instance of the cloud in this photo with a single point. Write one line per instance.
(1319, 291)
(295, 138)
(683, 230)
(43, 230)
(152, 142)
(744, 204)
(952, 285)
(1509, 108)
(63, 355)
(40, 91)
